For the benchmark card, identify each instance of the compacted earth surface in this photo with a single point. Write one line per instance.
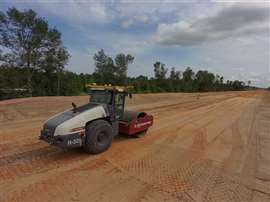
(202, 147)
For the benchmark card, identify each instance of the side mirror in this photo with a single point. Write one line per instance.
(74, 107)
(130, 95)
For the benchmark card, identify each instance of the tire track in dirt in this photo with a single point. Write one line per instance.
(28, 158)
(199, 139)
(178, 173)
(226, 185)
(142, 164)
(15, 189)
(24, 161)
(36, 161)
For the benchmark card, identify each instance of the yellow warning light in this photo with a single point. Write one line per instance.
(108, 86)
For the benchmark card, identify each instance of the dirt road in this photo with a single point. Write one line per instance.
(202, 147)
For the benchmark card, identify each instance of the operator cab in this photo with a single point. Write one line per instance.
(112, 98)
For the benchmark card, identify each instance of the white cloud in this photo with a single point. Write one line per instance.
(145, 12)
(238, 32)
(234, 20)
(242, 59)
(127, 23)
(137, 19)
(81, 61)
(76, 13)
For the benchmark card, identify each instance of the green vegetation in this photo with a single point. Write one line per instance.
(109, 70)
(30, 44)
(32, 60)
(187, 81)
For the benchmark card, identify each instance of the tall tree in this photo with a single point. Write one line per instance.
(55, 56)
(26, 39)
(104, 71)
(121, 66)
(221, 79)
(249, 82)
(109, 70)
(205, 80)
(175, 75)
(160, 70)
(188, 75)
(29, 43)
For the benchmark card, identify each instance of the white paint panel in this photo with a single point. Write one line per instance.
(80, 120)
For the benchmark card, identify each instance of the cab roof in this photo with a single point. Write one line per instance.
(108, 87)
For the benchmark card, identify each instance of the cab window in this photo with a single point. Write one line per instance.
(119, 105)
(119, 99)
(103, 97)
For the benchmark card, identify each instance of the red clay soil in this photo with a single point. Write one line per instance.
(202, 147)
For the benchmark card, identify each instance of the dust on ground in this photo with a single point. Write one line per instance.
(202, 147)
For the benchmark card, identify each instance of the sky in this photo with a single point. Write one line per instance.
(229, 38)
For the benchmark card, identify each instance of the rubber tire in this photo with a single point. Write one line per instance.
(93, 130)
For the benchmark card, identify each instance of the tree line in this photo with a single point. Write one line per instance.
(33, 59)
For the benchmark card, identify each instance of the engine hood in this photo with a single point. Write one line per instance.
(60, 118)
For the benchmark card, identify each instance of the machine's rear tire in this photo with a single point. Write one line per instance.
(99, 136)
